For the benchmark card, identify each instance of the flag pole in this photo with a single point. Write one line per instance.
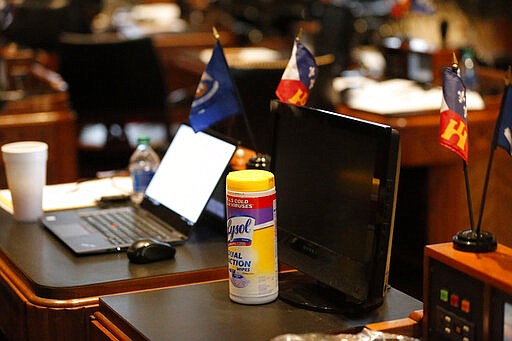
(246, 120)
(298, 37)
(468, 196)
(215, 33)
(508, 79)
(471, 240)
(455, 68)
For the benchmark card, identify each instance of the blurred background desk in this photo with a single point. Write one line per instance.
(37, 110)
(168, 45)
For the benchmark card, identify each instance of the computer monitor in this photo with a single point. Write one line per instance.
(336, 182)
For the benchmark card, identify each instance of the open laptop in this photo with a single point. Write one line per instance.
(174, 200)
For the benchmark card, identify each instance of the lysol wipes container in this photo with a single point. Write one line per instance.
(252, 242)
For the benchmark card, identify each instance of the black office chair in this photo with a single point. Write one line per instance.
(38, 23)
(116, 86)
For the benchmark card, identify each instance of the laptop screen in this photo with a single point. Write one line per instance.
(189, 171)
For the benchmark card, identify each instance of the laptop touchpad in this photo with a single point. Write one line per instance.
(70, 230)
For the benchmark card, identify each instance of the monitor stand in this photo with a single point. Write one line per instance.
(305, 292)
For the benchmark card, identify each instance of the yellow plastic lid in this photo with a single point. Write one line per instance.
(250, 180)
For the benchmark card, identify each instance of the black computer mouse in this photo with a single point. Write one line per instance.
(149, 250)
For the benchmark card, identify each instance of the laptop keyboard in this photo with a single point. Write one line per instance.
(123, 226)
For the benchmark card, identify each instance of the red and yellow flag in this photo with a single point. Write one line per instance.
(453, 127)
(298, 77)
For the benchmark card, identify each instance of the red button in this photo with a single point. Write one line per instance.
(465, 306)
(454, 300)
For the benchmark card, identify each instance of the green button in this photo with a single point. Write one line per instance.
(443, 295)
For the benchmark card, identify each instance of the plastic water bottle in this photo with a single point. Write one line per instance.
(252, 242)
(143, 164)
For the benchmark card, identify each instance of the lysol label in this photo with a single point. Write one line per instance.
(240, 230)
(251, 235)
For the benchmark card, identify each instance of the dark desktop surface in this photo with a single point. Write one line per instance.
(54, 271)
(205, 312)
(45, 272)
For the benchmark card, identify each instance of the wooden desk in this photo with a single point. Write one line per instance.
(48, 293)
(169, 45)
(446, 207)
(487, 279)
(43, 114)
(205, 312)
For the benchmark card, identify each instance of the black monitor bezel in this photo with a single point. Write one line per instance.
(389, 150)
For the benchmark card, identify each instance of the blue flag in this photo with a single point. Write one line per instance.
(216, 97)
(504, 123)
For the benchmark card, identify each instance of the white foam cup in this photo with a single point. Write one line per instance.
(25, 168)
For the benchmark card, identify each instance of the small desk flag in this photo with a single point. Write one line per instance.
(453, 128)
(504, 124)
(216, 97)
(298, 77)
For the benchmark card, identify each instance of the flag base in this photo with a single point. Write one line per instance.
(470, 241)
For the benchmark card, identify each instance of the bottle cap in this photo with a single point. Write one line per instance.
(250, 180)
(143, 140)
